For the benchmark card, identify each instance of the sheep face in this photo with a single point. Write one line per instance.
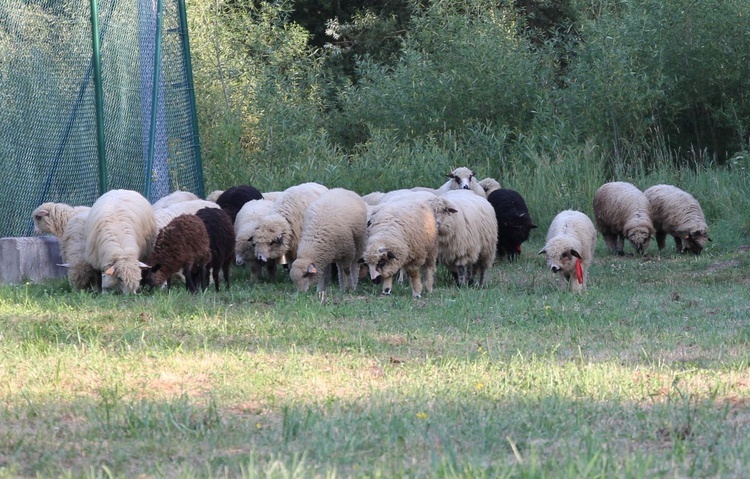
(153, 276)
(244, 250)
(382, 264)
(123, 275)
(693, 242)
(565, 263)
(640, 238)
(303, 274)
(272, 240)
(41, 221)
(461, 178)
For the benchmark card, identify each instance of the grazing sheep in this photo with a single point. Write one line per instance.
(278, 234)
(462, 179)
(333, 232)
(221, 238)
(52, 217)
(571, 241)
(182, 245)
(467, 234)
(245, 225)
(402, 235)
(165, 215)
(514, 223)
(622, 211)
(119, 233)
(81, 275)
(677, 213)
(174, 198)
(214, 195)
(489, 185)
(235, 197)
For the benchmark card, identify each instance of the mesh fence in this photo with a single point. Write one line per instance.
(48, 109)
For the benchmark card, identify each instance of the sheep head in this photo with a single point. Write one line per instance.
(462, 178)
(695, 241)
(273, 238)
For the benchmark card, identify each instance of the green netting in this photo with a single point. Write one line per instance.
(48, 109)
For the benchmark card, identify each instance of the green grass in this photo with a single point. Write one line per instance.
(646, 375)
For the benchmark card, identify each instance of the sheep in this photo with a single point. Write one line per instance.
(214, 195)
(571, 241)
(402, 235)
(489, 185)
(165, 215)
(411, 195)
(182, 245)
(467, 234)
(221, 238)
(235, 197)
(81, 275)
(174, 198)
(333, 232)
(514, 222)
(278, 234)
(462, 179)
(622, 211)
(119, 234)
(244, 226)
(52, 217)
(677, 213)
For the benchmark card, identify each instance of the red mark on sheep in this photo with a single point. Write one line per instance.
(579, 271)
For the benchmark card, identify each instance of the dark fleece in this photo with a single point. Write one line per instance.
(183, 245)
(233, 199)
(221, 236)
(513, 221)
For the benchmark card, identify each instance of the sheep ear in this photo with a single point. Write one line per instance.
(42, 213)
(452, 210)
(575, 253)
(110, 271)
(250, 239)
(311, 269)
(544, 251)
(154, 269)
(64, 265)
(361, 261)
(143, 265)
(391, 255)
(709, 239)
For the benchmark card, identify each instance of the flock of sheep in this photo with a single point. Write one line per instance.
(123, 242)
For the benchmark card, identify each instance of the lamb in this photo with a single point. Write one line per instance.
(571, 241)
(677, 213)
(119, 234)
(489, 185)
(333, 232)
(467, 234)
(182, 245)
(245, 226)
(235, 197)
(221, 238)
(174, 198)
(622, 211)
(402, 235)
(514, 223)
(81, 275)
(462, 179)
(165, 215)
(52, 217)
(278, 234)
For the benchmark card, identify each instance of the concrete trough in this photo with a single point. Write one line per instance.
(29, 259)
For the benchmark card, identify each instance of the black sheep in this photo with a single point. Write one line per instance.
(221, 236)
(235, 197)
(513, 221)
(181, 246)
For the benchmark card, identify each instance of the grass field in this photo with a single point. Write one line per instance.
(646, 375)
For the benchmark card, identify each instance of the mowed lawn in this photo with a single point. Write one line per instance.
(646, 375)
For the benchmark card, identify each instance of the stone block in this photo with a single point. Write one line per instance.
(29, 259)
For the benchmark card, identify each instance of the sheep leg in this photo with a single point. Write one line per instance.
(678, 244)
(387, 285)
(323, 281)
(611, 242)
(225, 269)
(620, 245)
(461, 275)
(416, 282)
(661, 236)
(215, 276)
(187, 271)
(429, 273)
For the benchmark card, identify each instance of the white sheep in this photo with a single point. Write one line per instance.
(622, 211)
(174, 198)
(278, 234)
(462, 179)
(52, 217)
(489, 185)
(164, 215)
(402, 235)
(467, 234)
(677, 213)
(571, 241)
(81, 275)
(333, 232)
(245, 225)
(119, 233)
